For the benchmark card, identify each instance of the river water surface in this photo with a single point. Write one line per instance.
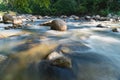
(95, 52)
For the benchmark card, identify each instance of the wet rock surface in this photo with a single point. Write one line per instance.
(115, 30)
(59, 60)
(7, 18)
(58, 25)
(101, 26)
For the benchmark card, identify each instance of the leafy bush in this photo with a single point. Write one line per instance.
(81, 9)
(3, 7)
(118, 13)
(65, 6)
(104, 12)
(58, 7)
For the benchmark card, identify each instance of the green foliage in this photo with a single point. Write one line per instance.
(28, 6)
(81, 9)
(58, 7)
(3, 6)
(104, 12)
(1, 1)
(65, 6)
(118, 13)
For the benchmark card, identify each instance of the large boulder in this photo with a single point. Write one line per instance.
(7, 18)
(58, 25)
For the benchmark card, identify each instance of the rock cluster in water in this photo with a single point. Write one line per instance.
(12, 19)
(18, 20)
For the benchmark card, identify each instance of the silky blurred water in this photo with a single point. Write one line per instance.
(95, 52)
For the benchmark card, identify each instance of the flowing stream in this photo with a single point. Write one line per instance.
(95, 52)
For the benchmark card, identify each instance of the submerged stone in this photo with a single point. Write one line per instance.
(59, 60)
(73, 47)
(115, 30)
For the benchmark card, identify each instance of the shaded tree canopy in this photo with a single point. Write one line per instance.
(59, 7)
